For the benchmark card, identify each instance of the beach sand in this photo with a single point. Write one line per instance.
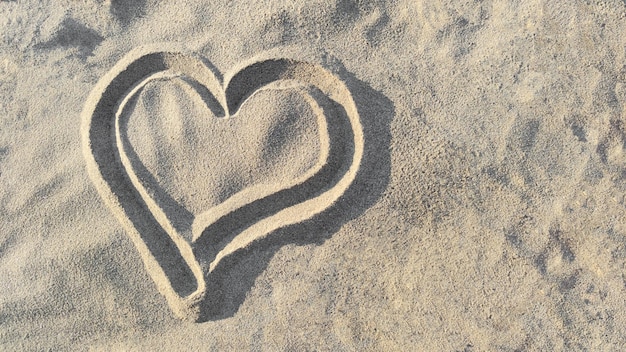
(313, 175)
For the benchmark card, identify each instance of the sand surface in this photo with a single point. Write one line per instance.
(313, 175)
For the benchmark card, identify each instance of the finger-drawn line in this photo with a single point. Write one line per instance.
(179, 268)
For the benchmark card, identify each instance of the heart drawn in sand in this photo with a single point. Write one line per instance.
(180, 255)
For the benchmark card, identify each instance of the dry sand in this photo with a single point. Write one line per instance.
(313, 175)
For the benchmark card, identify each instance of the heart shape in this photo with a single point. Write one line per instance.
(180, 269)
(193, 160)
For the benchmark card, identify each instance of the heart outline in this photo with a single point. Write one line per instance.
(110, 173)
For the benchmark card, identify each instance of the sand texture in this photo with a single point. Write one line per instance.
(312, 175)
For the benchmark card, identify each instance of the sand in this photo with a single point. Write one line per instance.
(313, 175)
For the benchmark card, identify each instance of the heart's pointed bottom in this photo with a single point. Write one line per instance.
(188, 308)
